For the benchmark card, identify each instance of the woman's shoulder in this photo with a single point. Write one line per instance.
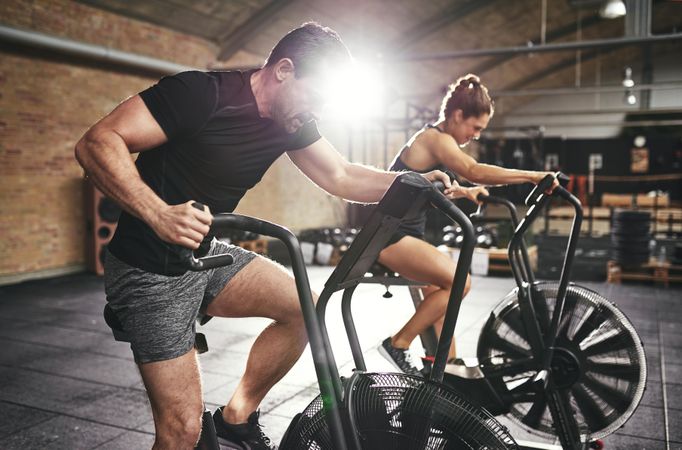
(431, 136)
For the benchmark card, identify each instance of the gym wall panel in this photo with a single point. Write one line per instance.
(47, 101)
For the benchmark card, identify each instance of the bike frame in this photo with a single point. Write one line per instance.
(489, 388)
(542, 347)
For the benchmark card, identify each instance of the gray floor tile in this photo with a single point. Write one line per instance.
(14, 418)
(297, 403)
(647, 422)
(674, 395)
(47, 391)
(97, 368)
(129, 440)
(673, 373)
(653, 395)
(125, 408)
(98, 342)
(627, 442)
(673, 355)
(221, 394)
(675, 422)
(62, 433)
(672, 338)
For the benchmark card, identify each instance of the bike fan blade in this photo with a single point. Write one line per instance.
(619, 341)
(617, 399)
(594, 416)
(621, 371)
(535, 413)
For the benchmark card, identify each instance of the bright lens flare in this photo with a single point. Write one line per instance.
(356, 93)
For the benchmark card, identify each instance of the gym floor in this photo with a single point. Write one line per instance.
(66, 384)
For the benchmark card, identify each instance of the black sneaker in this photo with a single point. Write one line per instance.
(399, 357)
(456, 361)
(243, 436)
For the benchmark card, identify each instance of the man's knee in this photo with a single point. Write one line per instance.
(181, 427)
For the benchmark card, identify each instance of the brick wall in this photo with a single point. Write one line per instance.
(48, 100)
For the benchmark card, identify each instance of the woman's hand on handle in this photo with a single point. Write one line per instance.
(470, 193)
(182, 224)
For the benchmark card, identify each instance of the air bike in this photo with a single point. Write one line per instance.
(369, 411)
(557, 358)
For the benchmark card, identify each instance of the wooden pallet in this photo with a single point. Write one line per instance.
(655, 271)
(498, 259)
(259, 246)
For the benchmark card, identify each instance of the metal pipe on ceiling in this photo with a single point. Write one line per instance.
(677, 84)
(545, 126)
(586, 90)
(592, 112)
(561, 46)
(89, 51)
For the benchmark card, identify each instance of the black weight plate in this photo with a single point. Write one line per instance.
(629, 229)
(632, 250)
(632, 243)
(631, 215)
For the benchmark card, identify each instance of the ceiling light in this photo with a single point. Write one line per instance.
(628, 82)
(639, 141)
(612, 9)
(630, 98)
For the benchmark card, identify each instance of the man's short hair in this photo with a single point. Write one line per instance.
(311, 47)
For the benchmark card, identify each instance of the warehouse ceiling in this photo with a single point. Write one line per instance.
(420, 44)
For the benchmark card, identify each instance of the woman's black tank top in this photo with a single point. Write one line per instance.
(417, 226)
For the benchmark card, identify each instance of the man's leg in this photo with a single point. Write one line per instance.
(174, 389)
(262, 288)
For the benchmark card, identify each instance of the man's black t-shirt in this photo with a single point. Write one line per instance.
(218, 147)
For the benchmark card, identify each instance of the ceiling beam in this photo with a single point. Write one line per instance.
(593, 112)
(177, 17)
(549, 70)
(586, 90)
(552, 36)
(564, 64)
(558, 47)
(457, 11)
(231, 43)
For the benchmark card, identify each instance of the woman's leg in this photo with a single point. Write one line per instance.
(420, 261)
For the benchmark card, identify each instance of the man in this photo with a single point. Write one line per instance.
(209, 137)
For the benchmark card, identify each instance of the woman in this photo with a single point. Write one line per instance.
(465, 112)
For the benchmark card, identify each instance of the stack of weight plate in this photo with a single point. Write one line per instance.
(630, 237)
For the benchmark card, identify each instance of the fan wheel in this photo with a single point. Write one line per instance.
(401, 412)
(599, 362)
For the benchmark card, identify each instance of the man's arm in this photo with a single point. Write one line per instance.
(329, 170)
(104, 152)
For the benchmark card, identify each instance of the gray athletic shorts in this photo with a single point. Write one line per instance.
(157, 312)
